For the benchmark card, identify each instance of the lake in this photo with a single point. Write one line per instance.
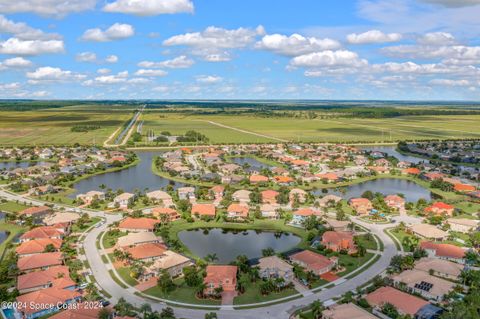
(139, 176)
(387, 186)
(255, 165)
(13, 165)
(228, 244)
(392, 151)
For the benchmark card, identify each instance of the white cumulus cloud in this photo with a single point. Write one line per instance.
(17, 46)
(209, 79)
(117, 31)
(15, 63)
(149, 7)
(295, 44)
(436, 38)
(150, 72)
(181, 62)
(328, 58)
(23, 31)
(373, 36)
(52, 74)
(55, 8)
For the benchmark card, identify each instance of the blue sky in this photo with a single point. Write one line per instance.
(212, 49)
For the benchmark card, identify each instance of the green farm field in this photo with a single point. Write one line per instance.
(53, 126)
(316, 130)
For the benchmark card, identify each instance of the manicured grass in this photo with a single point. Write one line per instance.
(109, 240)
(104, 259)
(469, 208)
(252, 294)
(400, 235)
(86, 226)
(13, 230)
(351, 263)
(367, 241)
(12, 207)
(115, 278)
(124, 273)
(182, 293)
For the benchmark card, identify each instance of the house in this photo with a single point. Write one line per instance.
(297, 194)
(123, 200)
(314, 262)
(338, 241)
(420, 282)
(37, 246)
(242, 196)
(269, 196)
(170, 261)
(428, 231)
(275, 267)
(440, 208)
(444, 251)
(257, 179)
(90, 196)
(39, 261)
(395, 202)
(203, 210)
(61, 218)
(433, 176)
(37, 212)
(328, 200)
(346, 311)
(187, 193)
(405, 304)
(464, 188)
(165, 213)
(217, 191)
(283, 180)
(411, 171)
(300, 215)
(138, 224)
(134, 239)
(160, 196)
(237, 211)
(82, 311)
(46, 301)
(361, 205)
(462, 225)
(269, 211)
(329, 177)
(56, 276)
(146, 251)
(220, 276)
(43, 232)
(337, 225)
(439, 267)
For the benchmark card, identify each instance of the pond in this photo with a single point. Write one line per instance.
(3, 236)
(392, 151)
(254, 164)
(387, 186)
(13, 165)
(228, 244)
(139, 176)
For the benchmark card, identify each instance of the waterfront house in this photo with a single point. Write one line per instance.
(362, 206)
(220, 276)
(275, 267)
(270, 211)
(37, 301)
(123, 200)
(394, 201)
(146, 251)
(338, 241)
(297, 194)
(170, 261)
(203, 210)
(462, 225)
(168, 213)
(235, 210)
(187, 193)
(138, 224)
(56, 276)
(314, 262)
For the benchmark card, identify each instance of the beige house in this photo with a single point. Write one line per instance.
(242, 196)
(275, 267)
(134, 239)
(270, 211)
(337, 225)
(439, 267)
(428, 286)
(462, 225)
(170, 261)
(346, 311)
(60, 218)
(160, 196)
(428, 231)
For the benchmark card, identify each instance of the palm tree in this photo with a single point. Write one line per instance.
(145, 308)
(317, 309)
(211, 258)
(200, 289)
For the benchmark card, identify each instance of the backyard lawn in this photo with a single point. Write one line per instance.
(182, 293)
(252, 294)
(12, 207)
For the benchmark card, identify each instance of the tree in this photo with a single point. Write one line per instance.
(211, 315)
(191, 276)
(410, 242)
(145, 308)
(211, 258)
(267, 252)
(165, 282)
(390, 310)
(104, 313)
(317, 309)
(167, 313)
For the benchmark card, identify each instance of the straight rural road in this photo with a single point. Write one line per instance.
(245, 131)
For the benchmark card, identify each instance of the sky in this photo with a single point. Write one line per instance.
(248, 49)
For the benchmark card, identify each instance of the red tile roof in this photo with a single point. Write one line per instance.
(42, 232)
(239, 209)
(37, 246)
(78, 312)
(203, 209)
(312, 260)
(464, 188)
(148, 250)
(258, 179)
(35, 210)
(47, 296)
(41, 278)
(305, 212)
(444, 250)
(39, 261)
(218, 273)
(404, 302)
(138, 223)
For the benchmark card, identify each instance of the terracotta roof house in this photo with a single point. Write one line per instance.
(275, 267)
(220, 276)
(217, 191)
(440, 208)
(256, 179)
(169, 213)
(338, 241)
(39, 261)
(395, 201)
(330, 177)
(346, 311)
(433, 176)
(362, 206)
(138, 224)
(405, 303)
(147, 252)
(242, 196)
(60, 218)
(314, 262)
(439, 267)
(237, 211)
(78, 312)
(37, 211)
(411, 171)
(207, 210)
(42, 232)
(138, 238)
(464, 188)
(37, 246)
(54, 276)
(300, 215)
(327, 200)
(284, 180)
(50, 296)
(269, 196)
(299, 194)
(463, 225)
(428, 231)
(170, 261)
(444, 251)
(420, 282)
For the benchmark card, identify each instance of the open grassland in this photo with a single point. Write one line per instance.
(316, 130)
(53, 126)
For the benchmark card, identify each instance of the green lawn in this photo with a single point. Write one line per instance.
(124, 273)
(115, 278)
(12, 207)
(351, 263)
(182, 293)
(92, 222)
(367, 241)
(252, 294)
(400, 235)
(109, 240)
(13, 230)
